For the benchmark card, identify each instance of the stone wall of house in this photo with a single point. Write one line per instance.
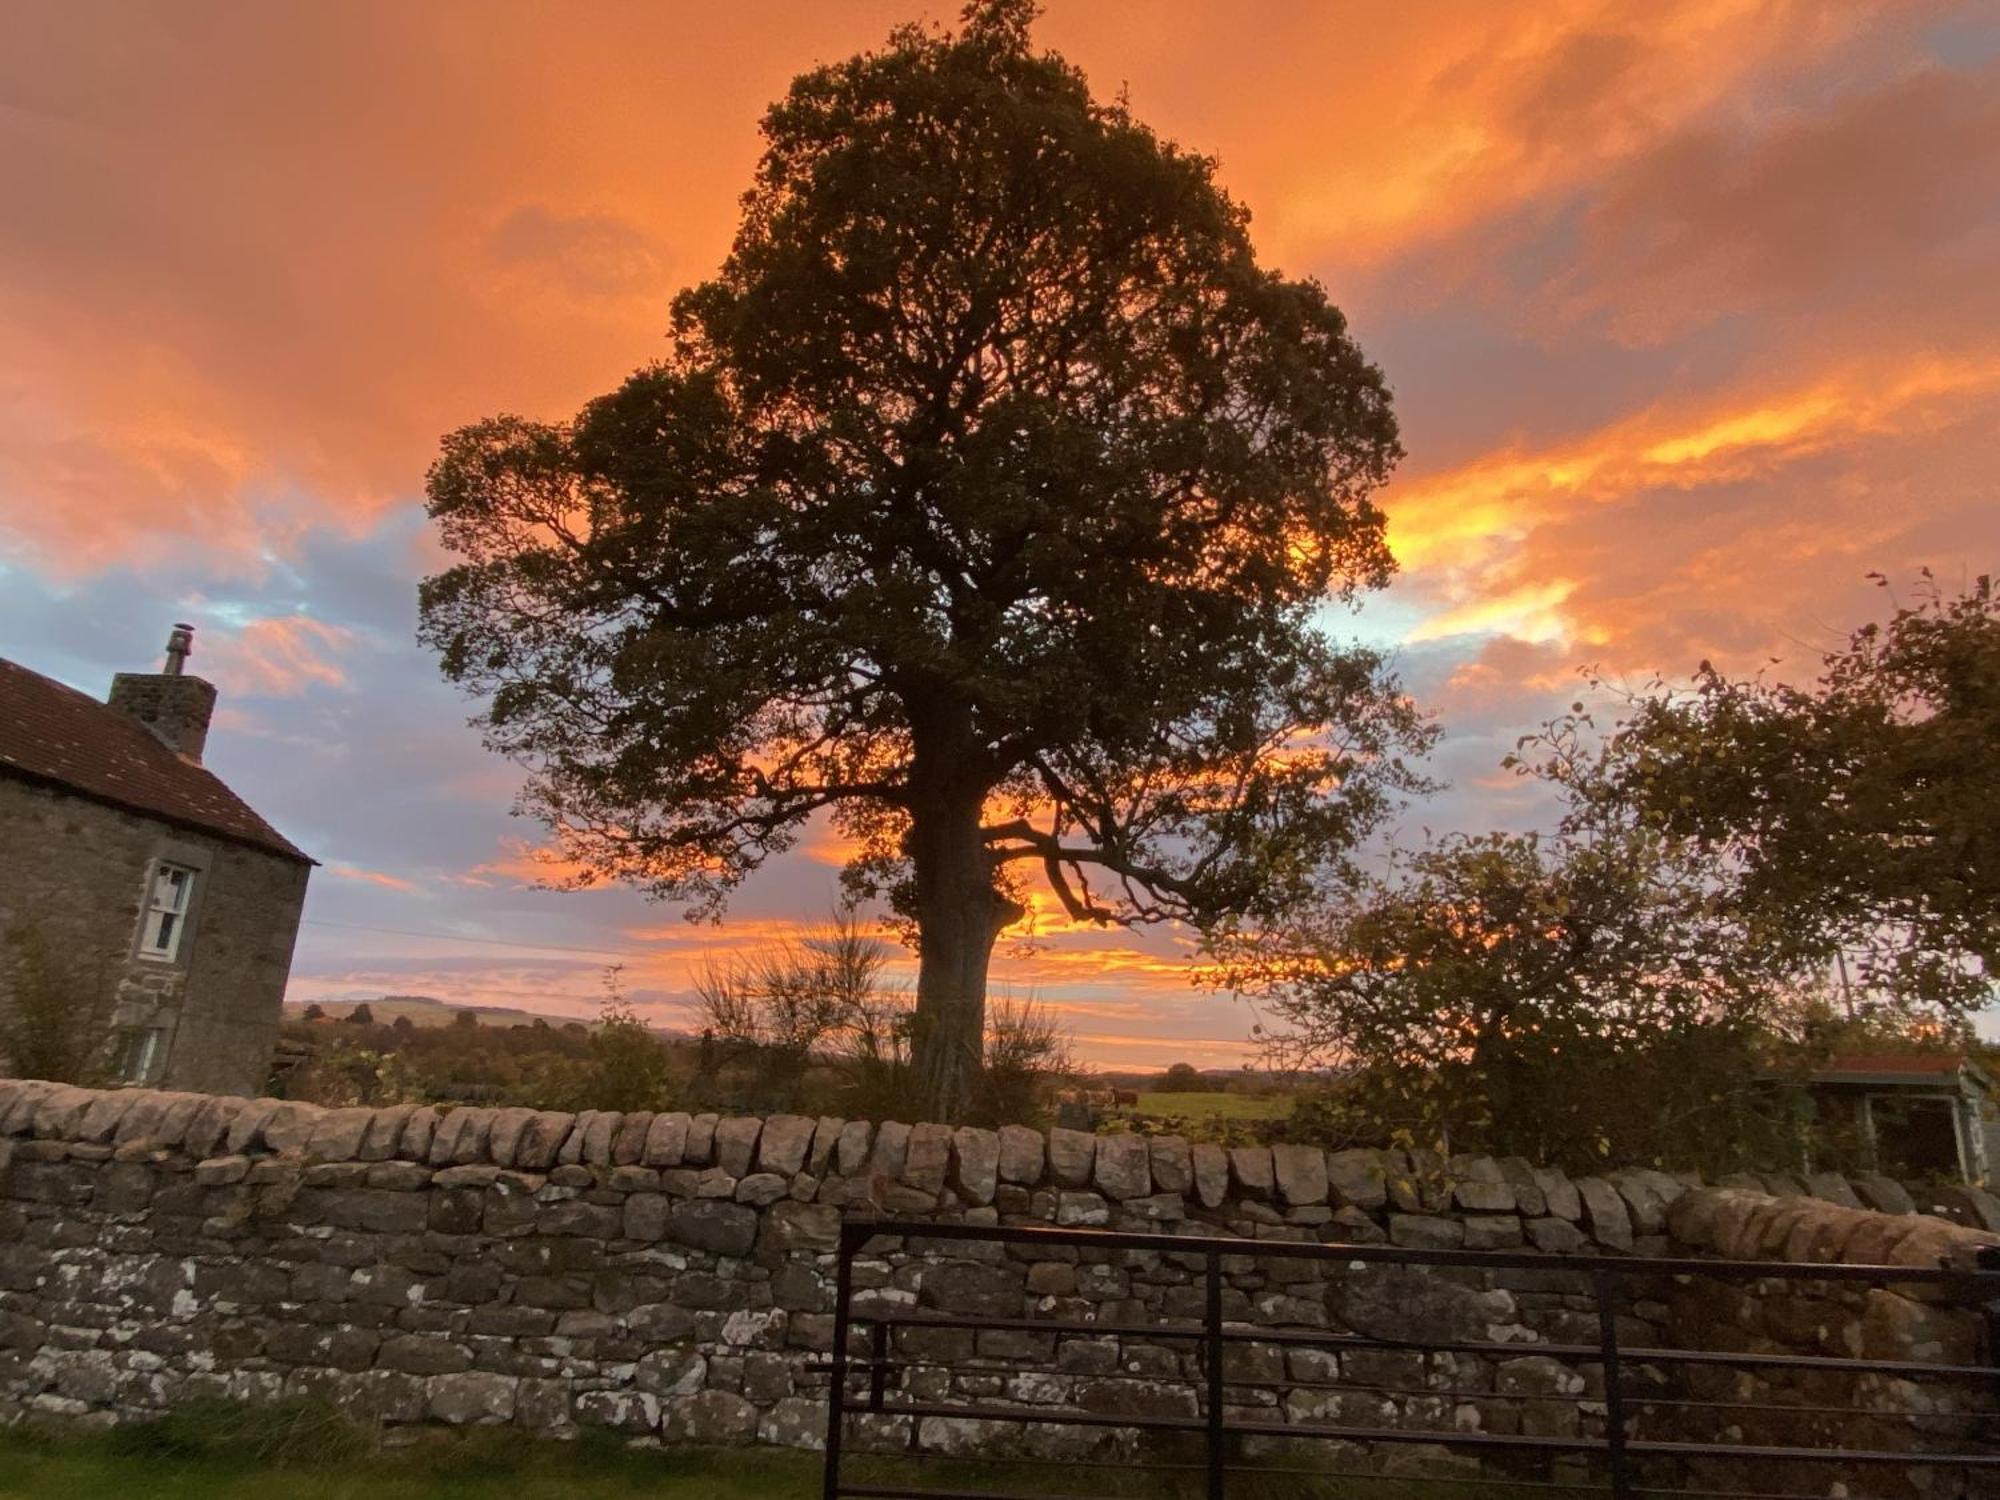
(672, 1274)
(78, 869)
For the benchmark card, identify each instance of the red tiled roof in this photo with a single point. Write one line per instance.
(52, 733)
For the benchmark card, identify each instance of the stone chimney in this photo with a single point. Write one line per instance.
(175, 706)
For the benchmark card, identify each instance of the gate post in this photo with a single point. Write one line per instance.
(1606, 1284)
(851, 1235)
(1213, 1339)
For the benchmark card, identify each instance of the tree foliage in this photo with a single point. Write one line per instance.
(1857, 817)
(1568, 999)
(986, 501)
(56, 1010)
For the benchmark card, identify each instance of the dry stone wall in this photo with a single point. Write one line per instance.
(672, 1274)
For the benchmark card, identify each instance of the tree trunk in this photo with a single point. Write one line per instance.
(959, 914)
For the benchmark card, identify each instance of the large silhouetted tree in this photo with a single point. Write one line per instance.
(987, 499)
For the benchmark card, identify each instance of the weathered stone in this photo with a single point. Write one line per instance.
(599, 1131)
(472, 1398)
(851, 1152)
(1023, 1153)
(1082, 1211)
(1559, 1193)
(398, 1176)
(1605, 1212)
(891, 1150)
(1123, 1167)
(1357, 1176)
(1479, 1186)
(1493, 1232)
(1252, 1170)
(802, 1226)
(221, 1171)
(760, 1188)
(928, 1160)
(699, 1150)
(1553, 1236)
(992, 1291)
(666, 1140)
(291, 1125)
(711, 1417)
(1424, 1232)
(1884, 1194)
(423, 1354)
(628, 1142)
(1211, 1174)
(783, 1146)
(384, 1133)
(338, 1134)
(736, 1143)
(419, 1130)
(1172, 1167)
(712, 1224)
(1301, 1175)
(975, 1163)
(503, 1138)
(627, 1411)
(1072, 1154)
(1406, 1304)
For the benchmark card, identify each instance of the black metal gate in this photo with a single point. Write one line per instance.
(1653, 1419)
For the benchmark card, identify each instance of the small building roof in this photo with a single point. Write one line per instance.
(54, 734)
(1904, 1070)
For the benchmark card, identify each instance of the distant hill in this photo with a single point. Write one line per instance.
(425, 1010)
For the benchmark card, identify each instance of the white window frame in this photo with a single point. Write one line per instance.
(164, 919)
(139, 1054)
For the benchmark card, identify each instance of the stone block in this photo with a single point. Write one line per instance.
(474, 1398)
(1072, 1154)
(975, 1163)
(1211, 1174)
(1883, 1194)
(1123, 1167)
(503, 1139)
(666, 1140)
(1301, 1175)
(1251, 1168)
(928, 1160)
(699, 1150)
(891, 1150)
(711, 1418)
(801, 1226)
(825, 1144)
(628, 1142)
(736, 1143)
(784, 1143)
(385, 1132)
(1023, 1153)
(1604, 1211)
(339, 1134)
(1426, 1232)
(1358, 1177)
(851, 1151)
(712, 1224)
(761, 1188)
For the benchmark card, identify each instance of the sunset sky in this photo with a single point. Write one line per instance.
(1691, 309)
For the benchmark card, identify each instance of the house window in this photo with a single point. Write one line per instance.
(139, 1055)
(166, 912)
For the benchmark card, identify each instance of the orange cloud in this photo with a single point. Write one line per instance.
(279, 657)
(373, 877)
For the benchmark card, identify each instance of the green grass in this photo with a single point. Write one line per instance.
(219, 1452)
(1216, 1106)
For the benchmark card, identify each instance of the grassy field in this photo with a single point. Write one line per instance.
(1216, 1106)
(319, 1459)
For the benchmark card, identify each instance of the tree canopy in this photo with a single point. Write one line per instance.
(987, 501)
(1857, 815)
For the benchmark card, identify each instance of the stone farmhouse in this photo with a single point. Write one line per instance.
(127, 859)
